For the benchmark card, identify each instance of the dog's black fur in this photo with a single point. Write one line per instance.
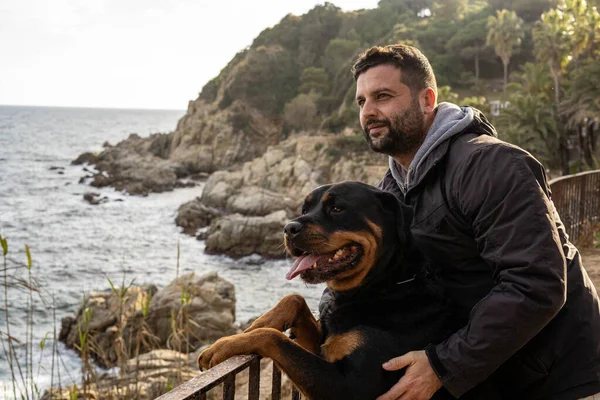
(381, 300)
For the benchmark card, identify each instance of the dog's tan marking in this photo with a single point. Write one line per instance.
(325, 197)
(352, 278)
(375, 228)
(337, 347)
(308, 198)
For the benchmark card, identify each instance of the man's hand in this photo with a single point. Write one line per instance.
(418, 383)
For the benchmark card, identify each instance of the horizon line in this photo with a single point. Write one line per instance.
(95, 107)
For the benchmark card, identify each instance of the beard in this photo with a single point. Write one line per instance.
(405, 132)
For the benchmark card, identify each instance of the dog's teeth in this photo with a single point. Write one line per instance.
(314, 265)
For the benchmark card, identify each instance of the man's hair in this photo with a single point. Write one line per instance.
(417, 73)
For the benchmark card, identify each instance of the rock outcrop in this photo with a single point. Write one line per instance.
(185, 316)
(237, 235)
(137, 165)
(263, 194)
(206, 139)
(188, 313)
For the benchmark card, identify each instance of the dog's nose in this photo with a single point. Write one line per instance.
(293, 228)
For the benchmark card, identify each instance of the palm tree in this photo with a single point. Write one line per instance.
(585, 21)
(552, 44)
(535, 78)
(530, 123)
(505, 32)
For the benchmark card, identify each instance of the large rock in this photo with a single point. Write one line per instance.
(209, 138)
(137, 165)
(101, 315)
(120, 327)
(194, 215)
(268, 191)
(208, 312)
(237, 235)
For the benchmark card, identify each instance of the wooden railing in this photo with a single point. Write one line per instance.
(577, 199)
(225, 373)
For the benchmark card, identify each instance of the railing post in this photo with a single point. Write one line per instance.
(276, 386)
(229, 387)
(254, 380)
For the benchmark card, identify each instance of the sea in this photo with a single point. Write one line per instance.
(76, 247)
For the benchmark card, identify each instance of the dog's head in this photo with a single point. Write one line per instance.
(346, 231)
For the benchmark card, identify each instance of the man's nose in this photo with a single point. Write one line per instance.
(292, 229)
(368, 111)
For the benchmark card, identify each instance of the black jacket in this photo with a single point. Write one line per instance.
(484, 216)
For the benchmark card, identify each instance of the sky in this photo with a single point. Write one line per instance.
(154, 54)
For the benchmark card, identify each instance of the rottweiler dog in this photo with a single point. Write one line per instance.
(380, 300)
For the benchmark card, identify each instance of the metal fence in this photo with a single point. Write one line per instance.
(225, 373)
(577, 199)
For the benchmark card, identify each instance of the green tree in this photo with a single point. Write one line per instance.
(469, 42)
(337, 53)
(314, 79)
(318, 27)
(529, 10)
(585, 21)
(535, 78)
(530, 123)
(402, 6)
(552, 44)
(581, 106)
(301, 112)
(450, 9)
(505, 33)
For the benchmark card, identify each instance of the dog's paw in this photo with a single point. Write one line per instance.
(220, 351)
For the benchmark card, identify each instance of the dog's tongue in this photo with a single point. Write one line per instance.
(302, 264)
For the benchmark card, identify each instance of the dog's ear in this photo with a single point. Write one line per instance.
(402, 214)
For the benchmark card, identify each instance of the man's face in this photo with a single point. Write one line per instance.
(391, 117)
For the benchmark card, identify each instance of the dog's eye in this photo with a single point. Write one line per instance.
(336, 209)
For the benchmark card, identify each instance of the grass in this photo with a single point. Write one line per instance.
(128, 344)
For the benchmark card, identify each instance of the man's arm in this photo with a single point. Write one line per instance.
(503, 192)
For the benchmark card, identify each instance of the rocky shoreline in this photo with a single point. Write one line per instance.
(152, 335)
(242, 209)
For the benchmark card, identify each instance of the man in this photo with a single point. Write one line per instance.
(483, 215)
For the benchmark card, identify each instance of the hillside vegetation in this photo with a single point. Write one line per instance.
(539, 55)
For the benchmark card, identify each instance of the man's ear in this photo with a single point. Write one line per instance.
(428, 100)
(403, 216)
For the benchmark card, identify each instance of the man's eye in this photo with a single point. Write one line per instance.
(383, 95)
(360, 103)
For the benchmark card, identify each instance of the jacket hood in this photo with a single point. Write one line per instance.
(450, 121)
